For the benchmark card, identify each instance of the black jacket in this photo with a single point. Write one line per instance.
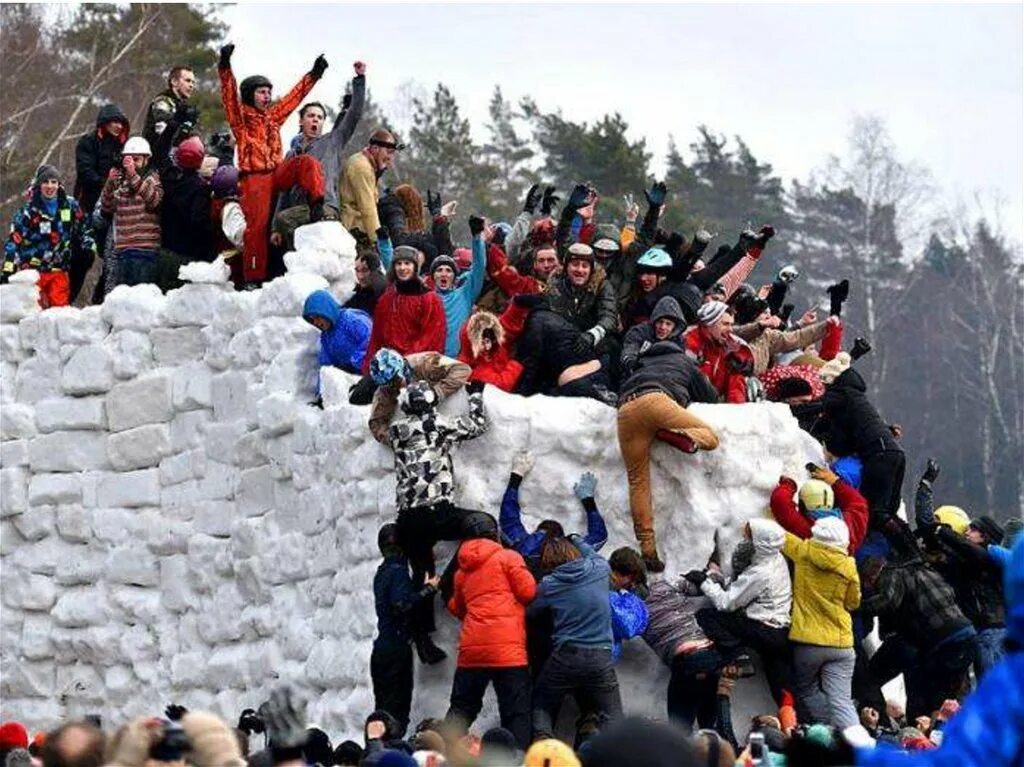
(185, 215)
(95, 154)
(546, 348)
(592, 305)
(648, 363)
(849, 423)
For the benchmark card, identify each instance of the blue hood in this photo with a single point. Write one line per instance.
(320, 303)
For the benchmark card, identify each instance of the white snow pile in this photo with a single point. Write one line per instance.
(177, 524)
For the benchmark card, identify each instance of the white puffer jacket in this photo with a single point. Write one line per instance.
(763, 591)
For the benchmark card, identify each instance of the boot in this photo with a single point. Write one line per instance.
(861, 346)
(679, 441)
(653, 563)
(837, 294)
(428, 652)
(316, 211)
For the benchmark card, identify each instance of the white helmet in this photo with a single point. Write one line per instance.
(137, 145)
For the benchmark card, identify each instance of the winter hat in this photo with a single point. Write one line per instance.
(47, 173)
(550, 753)
(318, 747)
(832, 532)
(579, 251)
(464, 258)
(953, 516)
(710, 313)
(189, 154)
(387, 365)
(444, 261)
(137, 145)
(406, 253)
(821, 734)
(989, 528)
(832, 369)
(607, 232)
(13, 735)
(640, 741)
(224, 182)
(816, 495)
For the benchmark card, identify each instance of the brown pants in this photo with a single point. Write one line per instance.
(639, 421)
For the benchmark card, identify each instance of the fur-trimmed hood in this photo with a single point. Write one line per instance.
(475, 327)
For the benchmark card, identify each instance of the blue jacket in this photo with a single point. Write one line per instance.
(528, 544)
(988, 731)
(629, 618)
(577, 593)
(344, 345)
(394, 596)
(849, 468)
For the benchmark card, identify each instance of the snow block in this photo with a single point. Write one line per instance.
(192, 304)
(13, 491)
(54, 489)
(139, 307)
(17, 422)
(276, 414)
(36, 523)
(140, 447)
(27, 591)
(90, 370)
(19, 298)
(69, 451)
(70, 414)
(177, 346)
(14, 453)
(229, 391)
(216, 272)
(285, 296)
(131, 351)
(192, 387)
(38, 378)
(130, 489)
(147, 399)
(11, 348)
(325, 265)
(74, 524)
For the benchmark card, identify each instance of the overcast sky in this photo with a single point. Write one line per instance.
(948, 80)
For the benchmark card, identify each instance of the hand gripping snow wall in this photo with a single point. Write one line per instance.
(177, 525)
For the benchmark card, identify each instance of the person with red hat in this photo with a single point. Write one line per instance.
(12, 735)
(256, 125)
(185, 212)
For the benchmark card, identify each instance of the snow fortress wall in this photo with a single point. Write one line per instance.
(176, 524)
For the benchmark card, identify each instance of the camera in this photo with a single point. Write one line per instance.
(172, 746)
(250, 722)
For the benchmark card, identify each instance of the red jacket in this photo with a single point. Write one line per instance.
(492, 588)
(496, 367)
(723, 364)
(407, 319)
(507, 278)
(851, 503)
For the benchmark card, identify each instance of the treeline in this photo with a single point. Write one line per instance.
(946, 318)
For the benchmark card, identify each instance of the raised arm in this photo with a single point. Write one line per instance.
(347, 122)
(229, 90)
(292, 99)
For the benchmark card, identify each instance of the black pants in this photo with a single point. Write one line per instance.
(938, 675)
(391, 672)
(419, 529)
(539, 627)
(693, 691)
(511, 687)
(588, 675)
(731, 632)
(881, 483)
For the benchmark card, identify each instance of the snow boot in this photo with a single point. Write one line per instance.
(428, 652)
(861, 346)
(679, 441)
(652, 561)
(837, 294)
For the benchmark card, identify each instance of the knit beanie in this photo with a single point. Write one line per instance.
(47, 173)
(444, 261)
(990, 528)
(463, 258)
(13, 735)
(710, 313)
(189, 154)
(832, 369)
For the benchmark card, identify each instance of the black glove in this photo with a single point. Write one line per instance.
(584, 344)
(579, 197)
(931, 472)
(533, 197)
(318, 402)
(476, 225)
(434, 203)
(674, 244)
(549, 202)
(474, 387)
(696, 577)
(498, 238)
(175, 712)
(861, 346)
(382, 233)
(319, 67)
(528, 300)
(225, 56)
(186, 113)
(764, 234)
(250, 722)
(656, 194)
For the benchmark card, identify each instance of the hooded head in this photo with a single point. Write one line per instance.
(388, 365)
(321, 304)
(387, 540)
(767, 537)
(989, 528)
(111, 113)
(834, 368)
(667, 308)
(418, 398)
(832, 532)
(481, 326)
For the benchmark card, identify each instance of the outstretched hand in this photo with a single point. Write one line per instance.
(319, 67)
(657, 194)
(434, 203)
(549, 202)
(931, 472)
(225, 56)
(579, 197)
(586, 487)
(533, 198)
(360, 68)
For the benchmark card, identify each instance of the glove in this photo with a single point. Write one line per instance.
(931, 472)
(434, 203)
(286, 719)
(549, 202)
(528, 300)
(584, 344)
(522, 462)
(318, 403)
(476, 225)
(579, 196)
(788, 273)
(533, 197)
(498, 235)
(225, 56)
(656, 194)
(696, 577)
(474, 387)
(765, 233)
(861, 346)
(174, 712)
(319, 67)
(586, 486)
(382, 233)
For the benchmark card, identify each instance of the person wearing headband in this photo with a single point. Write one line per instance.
(359, 185)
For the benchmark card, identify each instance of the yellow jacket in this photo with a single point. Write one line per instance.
(358, 194)
(825, 585)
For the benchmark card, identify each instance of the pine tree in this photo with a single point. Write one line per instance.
(508, 153)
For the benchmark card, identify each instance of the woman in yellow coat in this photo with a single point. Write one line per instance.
(825, 588)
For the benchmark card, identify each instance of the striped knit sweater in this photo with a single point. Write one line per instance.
(135, 205)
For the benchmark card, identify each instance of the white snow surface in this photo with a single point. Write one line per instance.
(177, 524)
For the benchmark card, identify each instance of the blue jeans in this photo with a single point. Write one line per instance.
(584, 672)
(989, 650)
(136, 267)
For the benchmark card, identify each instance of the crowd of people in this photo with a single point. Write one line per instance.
(560, 301)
